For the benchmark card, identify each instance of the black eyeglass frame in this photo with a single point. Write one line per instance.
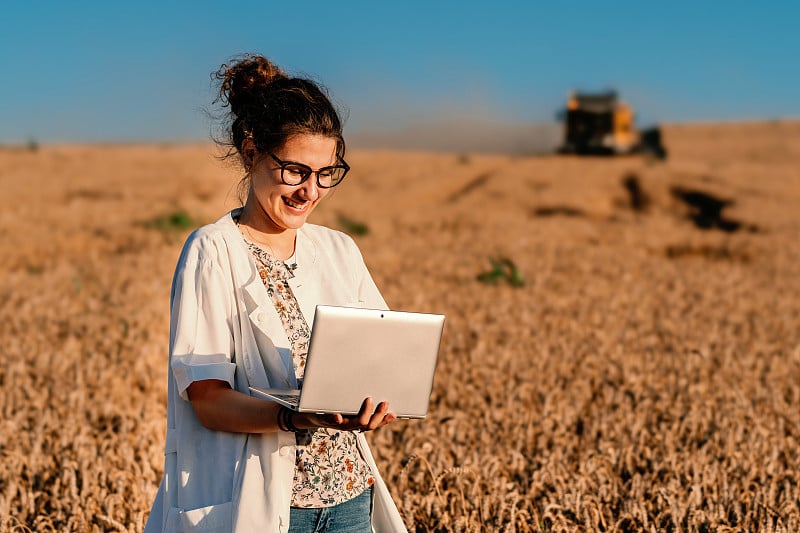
(307, 171)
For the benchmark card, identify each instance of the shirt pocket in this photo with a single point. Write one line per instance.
(209, 519)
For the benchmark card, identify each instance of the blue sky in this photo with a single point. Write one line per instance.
(112, 71)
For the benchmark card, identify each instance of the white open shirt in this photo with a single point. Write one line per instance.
(223, 325)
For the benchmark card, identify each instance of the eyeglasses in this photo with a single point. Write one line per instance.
(296, 173)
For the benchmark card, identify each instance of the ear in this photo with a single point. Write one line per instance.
(248, 153)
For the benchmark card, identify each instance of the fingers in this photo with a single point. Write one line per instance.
(368, 418)
(312, 421)
(367, 411)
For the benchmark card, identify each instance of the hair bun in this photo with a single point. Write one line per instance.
(243, 80)
(265, 107)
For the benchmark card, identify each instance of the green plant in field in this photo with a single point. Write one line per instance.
(353, 227)
(172, 224)
(515, 277)
(494, 275)
(179, 220)
(502, 269)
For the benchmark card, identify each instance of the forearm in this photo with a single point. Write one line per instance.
(220, 408)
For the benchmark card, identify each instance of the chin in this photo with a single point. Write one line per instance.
(294, 222)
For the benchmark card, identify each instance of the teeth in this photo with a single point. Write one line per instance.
(290, 203)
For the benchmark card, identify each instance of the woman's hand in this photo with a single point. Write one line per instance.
(221, 408)
(367, 419)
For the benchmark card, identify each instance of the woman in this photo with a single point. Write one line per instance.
(242, 296)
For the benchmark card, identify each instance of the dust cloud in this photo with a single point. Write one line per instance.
(464, 135)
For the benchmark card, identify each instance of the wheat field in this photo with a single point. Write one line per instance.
(640, 372)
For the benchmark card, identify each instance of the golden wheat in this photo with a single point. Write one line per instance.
(645, 378)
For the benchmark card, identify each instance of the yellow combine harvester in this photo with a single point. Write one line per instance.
(599, 123)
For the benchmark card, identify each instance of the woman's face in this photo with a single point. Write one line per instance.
(287, 207)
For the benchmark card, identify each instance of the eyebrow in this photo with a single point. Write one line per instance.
(339, 162)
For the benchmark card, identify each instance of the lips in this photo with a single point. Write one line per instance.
(300, 206)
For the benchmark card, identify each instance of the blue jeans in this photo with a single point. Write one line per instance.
(352, 516)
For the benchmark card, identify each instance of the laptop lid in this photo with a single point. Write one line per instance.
(355, 353)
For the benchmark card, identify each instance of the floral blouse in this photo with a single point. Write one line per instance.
(329, 468)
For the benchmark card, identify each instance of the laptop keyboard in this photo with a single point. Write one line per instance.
(288, 398)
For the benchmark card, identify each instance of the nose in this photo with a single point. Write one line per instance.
(309, 190)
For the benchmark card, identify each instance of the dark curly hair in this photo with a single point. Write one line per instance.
(269, 106)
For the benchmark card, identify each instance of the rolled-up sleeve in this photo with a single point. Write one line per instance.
(201, 339)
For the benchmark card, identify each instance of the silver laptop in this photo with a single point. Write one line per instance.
(355, 353)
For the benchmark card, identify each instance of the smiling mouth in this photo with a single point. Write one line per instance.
(293, 204)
